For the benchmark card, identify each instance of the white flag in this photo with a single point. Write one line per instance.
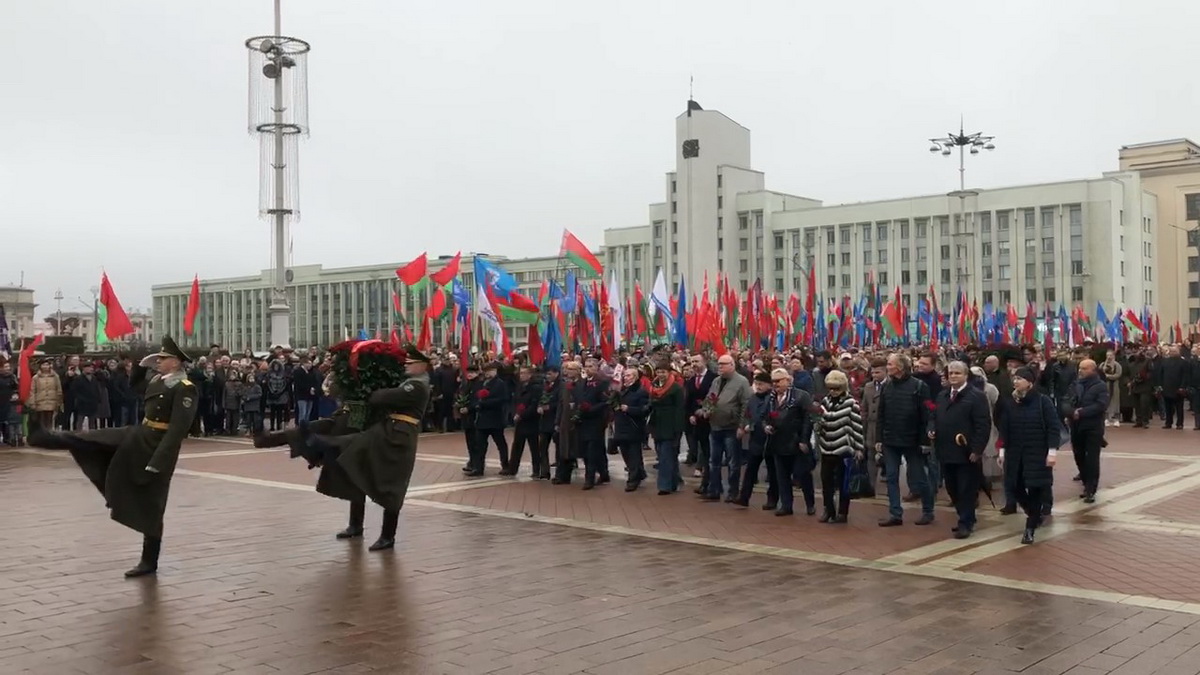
(660, 299)
(616, 309)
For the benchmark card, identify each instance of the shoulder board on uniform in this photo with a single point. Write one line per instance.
(186, 382)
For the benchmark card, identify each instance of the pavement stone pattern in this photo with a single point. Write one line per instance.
(503, 575)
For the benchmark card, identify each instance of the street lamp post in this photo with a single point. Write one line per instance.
(961, 233)
(58, 298)
(279, 116)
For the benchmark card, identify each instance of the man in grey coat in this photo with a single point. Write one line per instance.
(725, 409)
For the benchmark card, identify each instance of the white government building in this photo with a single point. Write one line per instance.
(1070, 242)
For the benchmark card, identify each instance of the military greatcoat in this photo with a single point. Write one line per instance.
(378, 461)
(116, 460)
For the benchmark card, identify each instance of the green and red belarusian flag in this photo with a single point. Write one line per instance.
(579, 255)
(415, 274)
(444, 276)
(111, 320)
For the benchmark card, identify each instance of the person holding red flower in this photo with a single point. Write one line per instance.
(788, 429)
(525, 420)
(487, 406)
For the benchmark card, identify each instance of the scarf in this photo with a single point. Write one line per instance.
(657, 391)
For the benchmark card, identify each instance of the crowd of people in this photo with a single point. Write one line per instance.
(958, 419)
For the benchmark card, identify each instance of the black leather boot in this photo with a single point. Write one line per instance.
(151, 546)
(387, 534)
(270, 439)
(355, 528)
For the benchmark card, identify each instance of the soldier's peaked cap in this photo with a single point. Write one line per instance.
(169, 348)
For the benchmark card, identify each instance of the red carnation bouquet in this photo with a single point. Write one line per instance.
(361, 367)
(709, 406)
(482, 393)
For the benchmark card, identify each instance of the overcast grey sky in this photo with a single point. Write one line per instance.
(439, 125)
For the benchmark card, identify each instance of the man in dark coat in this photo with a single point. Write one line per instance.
(85, 394)
(487, 408)
(591, 407)
(1171, 378)
(1090, 402)
(959, 427)
(698, 431)
(379, 460)
(788, 428)
(525, 421)
(132, 466)
(550, 392)
(1028, 438)
(904, 405)
(629, 426)
(566, 446)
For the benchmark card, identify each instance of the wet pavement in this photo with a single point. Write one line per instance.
(497, 575)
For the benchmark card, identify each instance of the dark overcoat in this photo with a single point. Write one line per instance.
(378, 462)
(1028, 428)
(116, 459)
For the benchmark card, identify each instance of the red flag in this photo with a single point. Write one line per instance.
(414, 272)
(117, 322)
(395, 337)
(537, 353)
(193, 307)
(26, 375)
(446, 274)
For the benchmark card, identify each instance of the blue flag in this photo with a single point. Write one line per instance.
(502, 283)
(569, 295)
(5, 343)
(681, 328)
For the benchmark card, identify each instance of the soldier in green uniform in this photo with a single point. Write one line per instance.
(375, 463)
(132, 466)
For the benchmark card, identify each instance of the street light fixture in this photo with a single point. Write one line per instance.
(963, 142)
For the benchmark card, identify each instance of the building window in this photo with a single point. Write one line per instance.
(1047, 220)
(922, 277)
(1031, 295)
(1048, 269)
(845, 235)
(1076, 267)
(718, 180)
(945, 251)
(922, 228)
(831, 259)
(779, 285)
(944, 225)
(674, 270)
(866, 233)
(945, 276)
(1030, 223)
(810, 239)
(904, 229)
(1192, 205)
(883, 279)
(987, 272)
(829, 238)
(1030, 270)
(867, 256)
(674, 227)
(882, 256)
(1050, 294)
(657, 252)
(720, 223)
(832, 280)
(1002, 221)
(985, 222)
(904, 254)
(779, 264)
(985, 249)
(743, 244)
(846, 258)
(1005, 273)
(1003, 247)
(674, 248)
(1075, 216)
(720, 202)
(743, 285)
(1193, 263)
(743, 221)
(1077, 294)
(1030, 247)
(758, 220)
(1047, 244)
(845, 280)
(743, 266)
(778, 239)
(672, 187)
(905, 277)
(883, 231)
(720, 244)
(987, 297)
(1122, 268)
(673, 206)
(922, 254)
